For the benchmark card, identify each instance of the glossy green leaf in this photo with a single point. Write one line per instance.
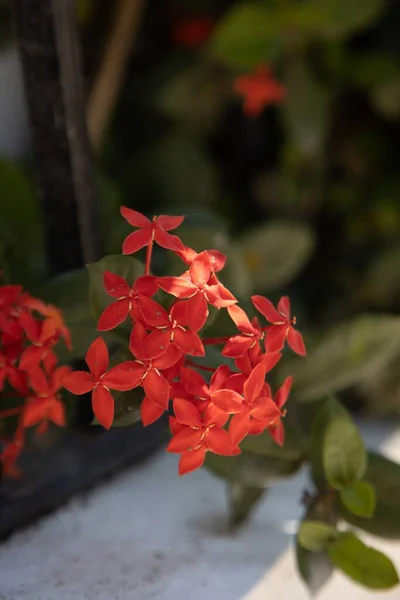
(248, 34)
(384, 475)
(242, 501)
(125, 266)
(306, 110)
(363, 564)
(251, 469)
(316, 535)
(334, 19)
(344, 455)
(330, 409)
(275, 253)
(315, 568)
(347, 354)
(359, 499)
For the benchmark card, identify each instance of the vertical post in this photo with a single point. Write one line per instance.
(48, 43)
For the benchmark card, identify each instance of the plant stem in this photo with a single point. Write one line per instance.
(149, 252)
(191, 363)
(215, 341)
(10, 412)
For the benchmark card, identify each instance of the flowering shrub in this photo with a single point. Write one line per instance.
(164, 343)
(29, 375)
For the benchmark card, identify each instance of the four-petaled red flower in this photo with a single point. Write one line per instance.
(259, 89)
(99, 381)
(282, 325)
(274, 420)
(128, 299)
(195, 435)
(45, 405)
(195, 285)
(251, 332)
(149, 231)
(169, 328)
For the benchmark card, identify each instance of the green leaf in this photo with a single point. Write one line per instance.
(344, 454)
(331, 409)
(363, 564)
(125, 266)
(315, 568)
(294, 447)
(347, 355)
(242, 501)
(306, 111)
(384, 475)
(275, 253)
(334, 19)
(381, 283)
(251, 469)
(247, 35)
(359, 499)
(316, 535)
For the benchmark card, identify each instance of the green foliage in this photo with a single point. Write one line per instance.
(346, 355)
(314, 568)
(359, 499)
(242, 501)
(343, 454)
(361, 563)
(248, 35)
(316, 536)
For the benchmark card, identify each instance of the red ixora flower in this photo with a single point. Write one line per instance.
(99, 381)
(128, 299)
(169, 329)
(274, 422)
(282, 325)
(256, 404)
(259, 89)
(44, 404)
(194, 435)
(193, 31)
(251, 333)
(196, 286)
(149, 231)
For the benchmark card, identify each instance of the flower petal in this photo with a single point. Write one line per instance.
(200, 270)
(155, 344)
(219, 377)
(177, 286)
(277, 433)
(239, 427)
(227, 400)
(124, 377)
(193, 382)
(134, 218)
(136, 240)
(153, 313)
(146, 285)
(190, 461)
(35, 410)
(149, 411)
(265, 409)
(103, 406)
(157, 388)
(166, 240)
(56, 412)
(283, 392)
(275, 338)
(267, 309)
(138, 334)
(188, 342)
(186, 413)
(296, 342)
(184, 440)
(240, 319)
(214, 416)
(254, 384)
(97, 358)
(217, 260)
(78, 382)
(167, 223)
(197, 312)
(237, 346)
(284, 306)
(115, 285)
(113, 315)
(218, 441)
(38, 380)
(269, 360)
(168, 359)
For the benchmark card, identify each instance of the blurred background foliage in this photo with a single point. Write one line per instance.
(304, 198)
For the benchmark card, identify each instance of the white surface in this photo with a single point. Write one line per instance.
(150, 535)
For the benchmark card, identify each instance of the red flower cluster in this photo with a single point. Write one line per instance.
(29, 330)
(259, 89)
(212, 416)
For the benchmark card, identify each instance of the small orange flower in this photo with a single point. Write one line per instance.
(259, 89)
